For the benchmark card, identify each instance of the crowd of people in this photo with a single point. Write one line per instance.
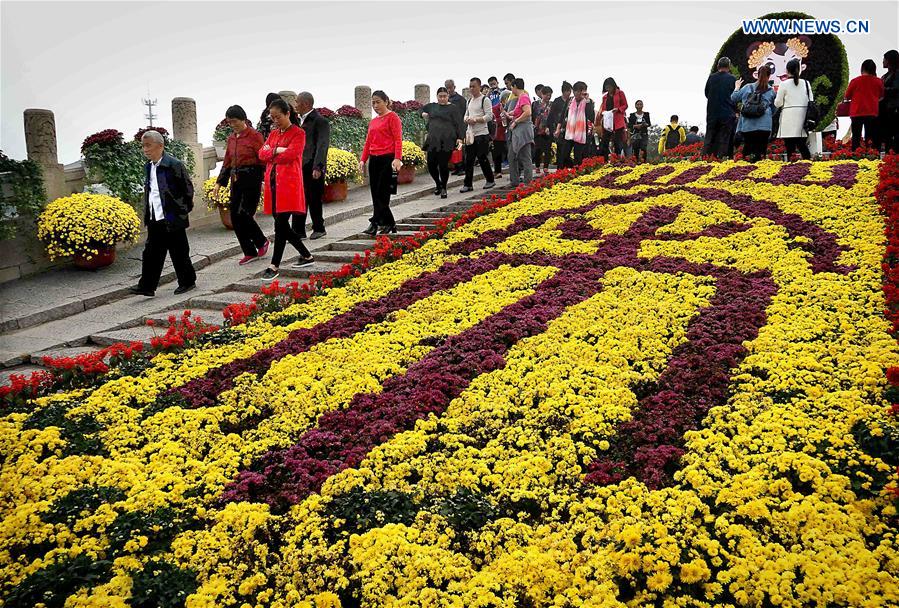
(753, 114)
(283, 159)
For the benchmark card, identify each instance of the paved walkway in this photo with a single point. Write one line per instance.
(68, 311)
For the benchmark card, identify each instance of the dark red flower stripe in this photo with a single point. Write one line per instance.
(342, 438)
(203, 391)
(649, 446)
(823, 248)
(845, 175)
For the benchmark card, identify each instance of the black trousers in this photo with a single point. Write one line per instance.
(438, 167)
(719, 137)
(543, 150)
(477, 152)
(888, 130)
(607, 138)
(283, 231)
(564, 149)
(245, 191)
(639, 148)
(800, 143)
(162, 241)
(379, 178)
(499, 153)
(755, 144)
(870, 125)
(313, 191)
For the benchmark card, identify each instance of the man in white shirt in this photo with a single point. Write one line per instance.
(478, 112)
(168, 199)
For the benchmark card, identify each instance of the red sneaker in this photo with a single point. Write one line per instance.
(246, 259)
(263, 250)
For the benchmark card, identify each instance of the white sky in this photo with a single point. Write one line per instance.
(92, 62)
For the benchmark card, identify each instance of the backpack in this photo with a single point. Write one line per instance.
(672, 140)
(491, 124)
(755, 105)
(812, 112)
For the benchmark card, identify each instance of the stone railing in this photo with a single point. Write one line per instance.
(24, 255)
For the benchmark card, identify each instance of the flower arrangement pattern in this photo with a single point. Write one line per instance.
(661, 384)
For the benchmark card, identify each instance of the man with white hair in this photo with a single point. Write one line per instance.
(168, 201)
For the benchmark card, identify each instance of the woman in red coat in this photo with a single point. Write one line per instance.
(615, 102)
(283, 183)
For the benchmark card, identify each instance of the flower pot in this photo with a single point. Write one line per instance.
(406, 175)
(225, 215)
(334, 192)
(220, 147)
(105, 256)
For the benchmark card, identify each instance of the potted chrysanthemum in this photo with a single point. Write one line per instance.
(222, 201)
(413, 158)
(342, 167)
(87, 227)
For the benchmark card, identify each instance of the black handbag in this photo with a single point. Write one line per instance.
(812, 112)
(394, 181)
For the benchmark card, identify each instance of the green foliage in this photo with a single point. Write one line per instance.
(21, 192)
(51, 586)
(466, 510)
(348, 133)
(121, 167)
(883, 444)
(78, 503)
(361, 511)
(79, 433)
(414, 127)
(162, 585)
(159, 526)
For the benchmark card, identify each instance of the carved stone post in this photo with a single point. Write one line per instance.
(40, 142)
(363, 100)
(422, 93)
(290, 97)
(184, 128)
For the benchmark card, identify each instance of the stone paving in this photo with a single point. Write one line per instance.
(67, 312)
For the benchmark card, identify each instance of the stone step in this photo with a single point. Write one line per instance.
(208, 315)
(414, 227)
(350, 245)
(25, 369)
(288, 272)
(140, 333)
(423, 221)
(431, 215)
(250, 286)
(63, 351)
(338, 257)
(217, 301)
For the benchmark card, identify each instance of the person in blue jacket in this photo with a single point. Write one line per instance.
(756, 101)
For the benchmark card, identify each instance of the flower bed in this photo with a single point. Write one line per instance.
(639, 385)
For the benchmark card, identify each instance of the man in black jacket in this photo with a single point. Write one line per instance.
(720, 114)
(168, 201)
(315, 161)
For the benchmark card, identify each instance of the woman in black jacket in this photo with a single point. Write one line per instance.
(445, 133)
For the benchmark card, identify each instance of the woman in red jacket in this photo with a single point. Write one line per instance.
(283, 184)
(614, 102)
(863, 94)
(384, 151)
